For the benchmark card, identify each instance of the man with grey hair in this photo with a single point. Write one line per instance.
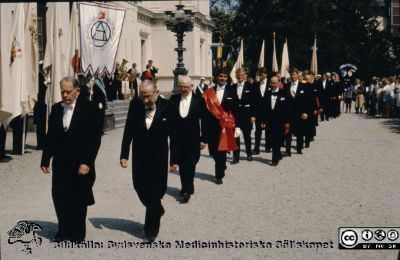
(187, 110)
(147, 128)
(73, 140)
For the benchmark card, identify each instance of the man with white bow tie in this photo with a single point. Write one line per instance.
(187, 110)
(300, 109)
(73, 140)
(147, 128)
(260, 88)
(244, 113)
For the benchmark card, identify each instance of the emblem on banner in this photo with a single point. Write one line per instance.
(100, 31)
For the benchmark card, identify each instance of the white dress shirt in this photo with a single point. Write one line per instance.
(293, 88)
(263, 86)
(150, 111)
(220, 92)
(273, 98)
(239, 89)
(324, 84)
(185, 104)
(67, 114)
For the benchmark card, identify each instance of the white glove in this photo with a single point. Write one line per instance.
(237, 132)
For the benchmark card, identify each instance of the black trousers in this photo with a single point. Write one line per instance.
(186, 173)
(257, 135)
(276, 153)
(299, 142)
(3, 135)
(71, 215)
(246, 131)
(17, 125)
(154, 211)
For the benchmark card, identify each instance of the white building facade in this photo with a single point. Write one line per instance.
(145, 36)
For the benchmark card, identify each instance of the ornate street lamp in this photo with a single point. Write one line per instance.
(179, 22)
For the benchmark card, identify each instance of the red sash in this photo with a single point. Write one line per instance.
(226, 121)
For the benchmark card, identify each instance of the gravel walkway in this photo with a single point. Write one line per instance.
(348, 177)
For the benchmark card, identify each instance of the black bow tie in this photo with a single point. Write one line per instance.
(274, 93)
(150, 108)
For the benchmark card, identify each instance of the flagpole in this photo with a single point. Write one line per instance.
(23, 135)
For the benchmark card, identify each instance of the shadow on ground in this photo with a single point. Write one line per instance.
(128, 226)
(49, 229)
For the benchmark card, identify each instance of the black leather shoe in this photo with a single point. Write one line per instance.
(299, 152)
(58, 237)
(268, 150)
(288, 153)
(186, 198)
(235, 161)
(249, 158)
(307, 145)
(218, 181)
(149, 239)
(255, 152)
(274, 164)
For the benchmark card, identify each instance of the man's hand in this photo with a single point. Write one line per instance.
(252, 119)
(202, 145)
(123, 163)
(304, 116)
(263, 125)
(315, 112)
(321, 110)
(173, 168)
(83, 169)
(45, 169)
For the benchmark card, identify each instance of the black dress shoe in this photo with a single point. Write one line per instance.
(149, 239)
(59, 237)
(274, 164)
(235, 161)
(186, 198)
(299, 152)
(255, 152)
(307, 145)
(249, 158)
(268, 150)
(218, 181)
(288, 153)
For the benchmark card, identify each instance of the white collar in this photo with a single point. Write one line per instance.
(221, 87)
(275, 91)
(295, 83)
(70, 106)
(187, 97)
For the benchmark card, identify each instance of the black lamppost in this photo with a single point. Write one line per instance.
(179, 22)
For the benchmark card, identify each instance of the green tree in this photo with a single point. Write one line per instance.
(347, 31)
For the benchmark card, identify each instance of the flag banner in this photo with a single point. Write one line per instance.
(54, 54)
(274, 60)
(285, 61)
(220, 55)
(100, 31)
(16, 93)
(31, 59)
(5, 101)
(314, 62)
(262, 54)
(238, 64)
(73, 49)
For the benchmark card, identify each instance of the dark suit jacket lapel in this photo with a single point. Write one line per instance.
(192, 105)
(159, 110)
(75, 115)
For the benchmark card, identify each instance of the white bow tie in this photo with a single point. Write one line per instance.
(67, 106)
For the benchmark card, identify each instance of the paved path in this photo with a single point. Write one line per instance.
(349, 177)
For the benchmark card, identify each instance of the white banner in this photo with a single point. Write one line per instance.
(100, 30)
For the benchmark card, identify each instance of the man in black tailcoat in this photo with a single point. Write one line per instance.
(187, 110)
(147, 128)
(225, 95)
(300, 100)
(244, 113)
(259, 89)
(274, 116)
(73, 140)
